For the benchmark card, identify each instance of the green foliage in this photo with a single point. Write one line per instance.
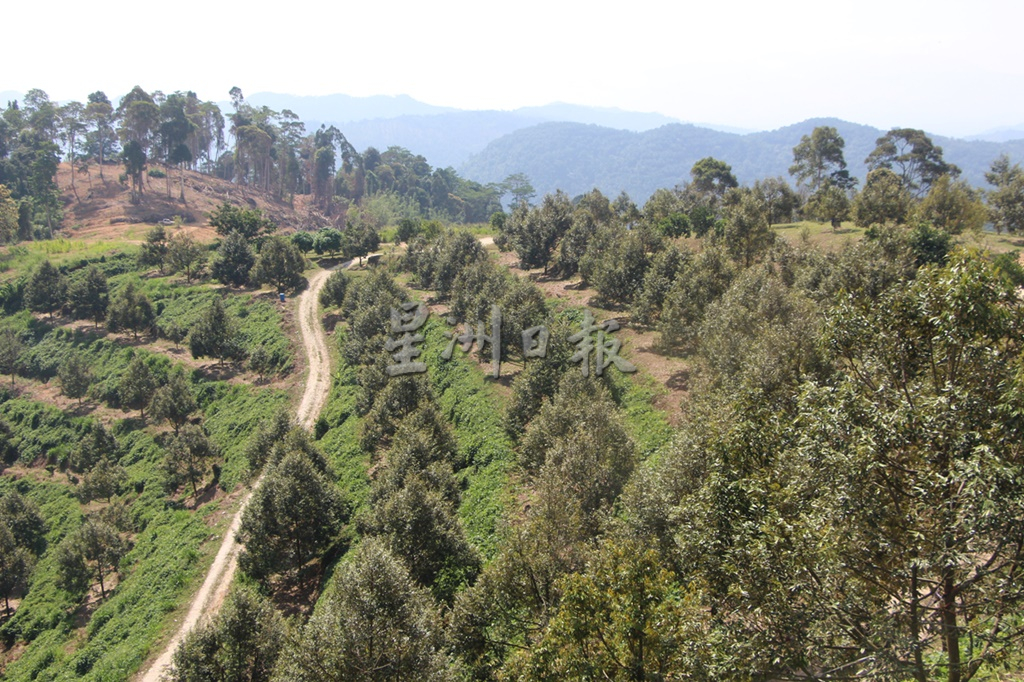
(437, 263)
(953, 206)
(154, 250)
(883, 200)
(700, 282)
(21, 516)
(713, 177)
(87, 294)
(276, 528)
(1006, 201)
(46, 289)
(658, 280)
(75, 376)
(131, 310)
(103, 481)
(332, 295)
(188, 455)
(533, 233)
(174, 401)
(819, 158)
(616, 261)
(15, 565)
(912, 156)
(185, 254)
(216, 335)
(374, 624)
(234, 260)
(87, 556)
(279, 263)
(242, 643)
(137, 385)
(250, 223)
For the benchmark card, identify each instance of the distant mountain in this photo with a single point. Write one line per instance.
(1000, 134)
(577, 158)
(343, 108)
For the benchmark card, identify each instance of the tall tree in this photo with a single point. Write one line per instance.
(819, 157)
(275, 528)
(99, 112)
(911, 154)
(189, 454)
(75, 376)
(130, 309)
(137, 385)
(88, 295)
(11, 348)
(185, 254)
(375, 624)
(279, 263)
(175, 400)
(234, 260)
(15, 565)
(713, 177)
(46, 289)
(215, 334)
(72, 124)
(1007, 199)
(87, 556)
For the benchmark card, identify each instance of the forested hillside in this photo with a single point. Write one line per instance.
(738, 431)
(576, 158)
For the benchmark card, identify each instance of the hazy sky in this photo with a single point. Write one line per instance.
(952, 68)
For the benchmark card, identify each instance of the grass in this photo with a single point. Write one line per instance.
(22, 258)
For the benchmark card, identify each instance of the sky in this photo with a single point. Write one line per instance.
(951, 68)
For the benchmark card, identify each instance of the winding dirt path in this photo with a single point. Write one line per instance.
(218, 579)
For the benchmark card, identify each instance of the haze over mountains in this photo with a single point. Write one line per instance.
(577, 148)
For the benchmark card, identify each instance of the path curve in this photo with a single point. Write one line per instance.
(218, 579)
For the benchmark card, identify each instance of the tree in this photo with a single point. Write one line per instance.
(829, 204)
(280, 263)
(215, 335)
(75, 376)
(375, 624)
(154, 250)
(747, 233)
(249, 222)
(130, 309)
(359, 240)
(189, 454)
(883, 200)
(134, 158)
(98, 443)
(46, 289)
(103, 481)
(8, 216)
(712, 177)
(327, 240)
(137, 385)
(333, 292)
(930, 473)
(184, 253)
(953, 206)
(913, 157)
(87, 556)
(100, 113)
(276, 528)
(15, 565)
(625, 617)
(72, 124)
(88, 295)
(241, 644)
(174, 400)
(534, 232)
(11, 348)
(22, 517)
(233, 261)
(779, 199)
(304, 240)
(818, 158)
(518, 185)
(1007, 199)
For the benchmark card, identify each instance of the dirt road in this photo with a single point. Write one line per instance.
(215, 587)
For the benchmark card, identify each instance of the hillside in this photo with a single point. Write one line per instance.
(577, 158)
(104, 203)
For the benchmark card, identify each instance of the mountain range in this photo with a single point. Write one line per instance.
(576, 148)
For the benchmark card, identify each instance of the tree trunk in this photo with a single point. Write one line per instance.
(950, 630)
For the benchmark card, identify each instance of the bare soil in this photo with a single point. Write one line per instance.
(211, 594)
